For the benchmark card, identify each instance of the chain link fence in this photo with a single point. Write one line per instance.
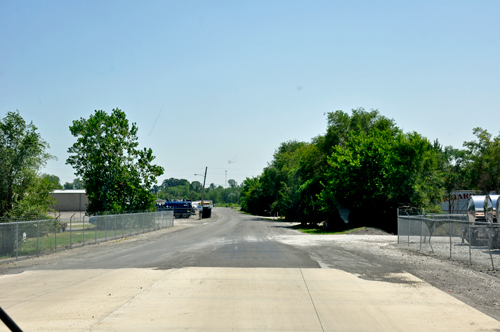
(451, 236)
(35, 237)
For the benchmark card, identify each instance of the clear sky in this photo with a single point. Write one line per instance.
(223, 83)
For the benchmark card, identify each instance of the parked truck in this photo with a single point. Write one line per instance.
(207, 208)
(182, 209)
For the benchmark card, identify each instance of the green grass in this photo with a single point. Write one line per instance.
(47, 243)
(229, 205)
(319, 230)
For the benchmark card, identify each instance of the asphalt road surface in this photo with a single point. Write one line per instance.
(253, 254)
(229, 239)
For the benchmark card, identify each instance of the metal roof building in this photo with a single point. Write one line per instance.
(70, 200)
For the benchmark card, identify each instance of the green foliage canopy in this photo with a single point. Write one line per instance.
(53, 179)
(363, 164)
(117, 175)
(76, 184)
(22, 153)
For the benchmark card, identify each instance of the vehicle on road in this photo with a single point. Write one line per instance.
(207, 208)
(182, 209)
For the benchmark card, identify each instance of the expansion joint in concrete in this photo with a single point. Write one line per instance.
(312, 301)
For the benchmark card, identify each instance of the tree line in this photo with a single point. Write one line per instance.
(357, 173)
(363, 168)
(178, 189)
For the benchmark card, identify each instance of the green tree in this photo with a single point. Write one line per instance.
(22, 154)
(253, 200)
(292, 182)
(172, 182)
(53, 179)
(116, 174)
(76, 184)
(372, 175)
(341, 126)
(484, 161)
(196, 186)
(455, 166)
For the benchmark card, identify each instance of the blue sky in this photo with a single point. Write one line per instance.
(223, 83)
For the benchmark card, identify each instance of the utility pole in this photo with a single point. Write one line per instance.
(225, 181)
(203, 192)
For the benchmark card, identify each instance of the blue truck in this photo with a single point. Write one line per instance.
(182, 209)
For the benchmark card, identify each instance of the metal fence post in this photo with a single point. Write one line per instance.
(399, 233)
(70, 231)
(38, 238)
(95, 228)
(105, 228)
(489, 246)
(408, 229)
(430, 235)
(470, 244)
(83, 227)
(55, 236)
(17, 239)
(115, 226)
(450, 238)
(421, 230)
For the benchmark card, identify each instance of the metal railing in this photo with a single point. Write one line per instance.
(36, 237)
(451, 236)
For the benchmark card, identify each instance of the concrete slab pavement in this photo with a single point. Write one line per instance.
(236, 299)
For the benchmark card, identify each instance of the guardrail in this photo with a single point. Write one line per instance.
(33, 238)
(451, 236)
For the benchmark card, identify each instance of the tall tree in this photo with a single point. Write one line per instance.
(372, 175)
(22, 155)
(54, 179)
(116, 174)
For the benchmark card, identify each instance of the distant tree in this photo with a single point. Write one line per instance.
(53, 179)
(232, 183)
(172, 182)
(76, 184)
(116, 174)
(196, 186)
(22, 154)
